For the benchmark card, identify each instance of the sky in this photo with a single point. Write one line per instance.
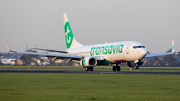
(154, 23)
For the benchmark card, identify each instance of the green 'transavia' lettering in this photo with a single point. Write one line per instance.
(103, 50)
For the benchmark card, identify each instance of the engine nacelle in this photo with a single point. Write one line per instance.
(88, 62)
(131, 64)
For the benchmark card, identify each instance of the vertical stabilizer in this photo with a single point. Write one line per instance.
(69, 36)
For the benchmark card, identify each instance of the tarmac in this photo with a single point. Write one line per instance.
(88, 72)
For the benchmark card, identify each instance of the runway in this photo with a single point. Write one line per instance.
(89, 72)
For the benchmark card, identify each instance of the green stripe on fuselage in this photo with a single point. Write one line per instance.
(107, 61)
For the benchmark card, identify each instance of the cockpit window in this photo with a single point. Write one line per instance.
(138, 47)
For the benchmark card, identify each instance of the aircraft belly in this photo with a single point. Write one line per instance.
(116, 58)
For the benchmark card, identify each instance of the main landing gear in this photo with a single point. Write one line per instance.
(89, 68)
(116, 67)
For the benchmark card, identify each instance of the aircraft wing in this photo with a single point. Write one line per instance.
(55, 56)
(49, 50)
(161, 54)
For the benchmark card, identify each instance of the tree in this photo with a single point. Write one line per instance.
(170, 60)
(169, 50)
(179, 53)
(1, 63)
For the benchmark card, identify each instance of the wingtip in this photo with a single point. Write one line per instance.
(173, 47)
(8, 46)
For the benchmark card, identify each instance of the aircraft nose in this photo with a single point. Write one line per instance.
(143, 53)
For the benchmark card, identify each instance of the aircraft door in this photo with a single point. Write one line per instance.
(127, 49)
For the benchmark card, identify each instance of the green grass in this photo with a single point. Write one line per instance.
(88, 87)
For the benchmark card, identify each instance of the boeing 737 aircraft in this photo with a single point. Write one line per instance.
(90, 56)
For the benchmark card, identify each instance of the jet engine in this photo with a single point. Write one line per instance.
(133, 65)
(88, 62)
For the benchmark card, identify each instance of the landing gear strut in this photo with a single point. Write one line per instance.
(89, 68)
(116, 67)
(137, 66)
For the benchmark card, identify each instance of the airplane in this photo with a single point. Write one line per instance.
(130, 52)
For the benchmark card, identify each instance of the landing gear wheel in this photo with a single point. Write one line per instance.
(114, 68)
(118, 68)
(89, 68)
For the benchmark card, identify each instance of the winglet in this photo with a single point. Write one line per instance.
(8, 46)
(173, 48)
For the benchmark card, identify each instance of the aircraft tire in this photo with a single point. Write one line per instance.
(118, 68)
(91, 68)
(87, 68)
(114, 68)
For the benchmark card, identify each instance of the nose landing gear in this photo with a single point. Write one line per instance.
(137, 66)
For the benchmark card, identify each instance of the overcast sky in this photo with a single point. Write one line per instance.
(153, 23)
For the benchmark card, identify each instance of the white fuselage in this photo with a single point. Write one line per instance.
(115, 52)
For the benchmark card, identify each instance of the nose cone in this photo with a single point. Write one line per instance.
(142, 53)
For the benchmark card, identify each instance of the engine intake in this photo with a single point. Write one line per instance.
(88, 62)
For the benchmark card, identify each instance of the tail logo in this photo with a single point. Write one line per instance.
(173, 49)
(68, 38)
(68, 35)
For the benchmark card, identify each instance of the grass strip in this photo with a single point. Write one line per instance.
(82, 87)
